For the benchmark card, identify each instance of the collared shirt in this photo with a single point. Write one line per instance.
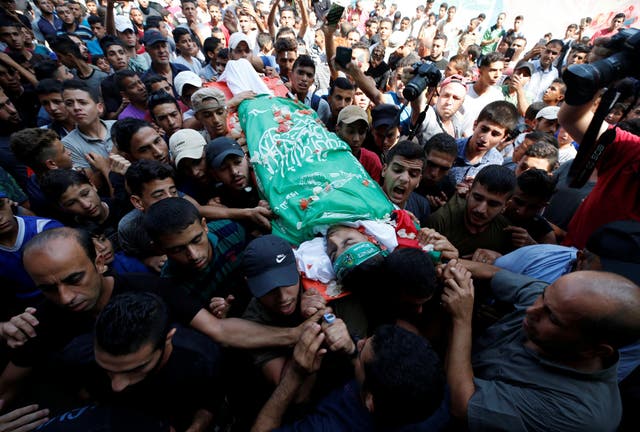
(463, 168)
(518, 390)
(540, 80)
(80, 145)
(47, 29)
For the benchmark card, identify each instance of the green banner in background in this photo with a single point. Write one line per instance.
(307, 174)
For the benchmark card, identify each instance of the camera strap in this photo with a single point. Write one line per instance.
(591, 148)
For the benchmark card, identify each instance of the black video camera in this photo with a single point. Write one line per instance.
(426, 75)
(584, 80)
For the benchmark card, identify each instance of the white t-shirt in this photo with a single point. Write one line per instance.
(474, 103)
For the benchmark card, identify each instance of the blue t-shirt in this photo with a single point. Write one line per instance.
(343, 410)
(11, 267)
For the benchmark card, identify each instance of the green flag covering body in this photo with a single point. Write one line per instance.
(307, 174)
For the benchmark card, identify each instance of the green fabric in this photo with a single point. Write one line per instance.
(353, 256)
(308, 175)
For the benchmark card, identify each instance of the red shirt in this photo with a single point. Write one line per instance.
(371, 162)
(616, 195)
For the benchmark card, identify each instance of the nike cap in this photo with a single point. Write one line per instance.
(269, 263)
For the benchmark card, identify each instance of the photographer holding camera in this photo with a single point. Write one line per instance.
(614, 152)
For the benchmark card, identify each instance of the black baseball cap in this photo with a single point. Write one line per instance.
(269, 263)
(218, 149)
(618, 246)
(384, 115)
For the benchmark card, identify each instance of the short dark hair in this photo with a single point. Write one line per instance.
(123, 131)
(182, 212)
(131, 320)
(619, 15)
(93, 19)
(304, 61)
(81, 236)
(153, 21)
(148, 81)
(210, 44)
(408, 150)
(145, 171)
(539, 136)
(342, 83)
(160, 98)
(48, 86)
(582, 48)
(108, 41)
(121, 75)
(178, 32)
(75, 84)
(532, 111)
(537, 183)
(65, 45)
(442, 142)
(34, 146)
(544, 150)
(474, 51)
(223, 53)
(502, 113)
(54, 183)
(285, 44)
(496, 179)
(441, 36)
(46, 69)
(412, 271)
(563, 86)
(372, 20)
(555, 42)
(492, 57)
(405, 377)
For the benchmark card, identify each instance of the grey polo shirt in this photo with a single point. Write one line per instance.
(518, 390)
(80, 144)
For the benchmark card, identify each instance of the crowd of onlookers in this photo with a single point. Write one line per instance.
(142, 287)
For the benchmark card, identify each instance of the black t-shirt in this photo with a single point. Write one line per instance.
(97, 418)
(60, 340)
(537, 228)
(188, 382)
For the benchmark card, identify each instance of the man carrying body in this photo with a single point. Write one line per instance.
(401, 175)
(63, 264)
(477, 222)
(557, 352)
(154, 367)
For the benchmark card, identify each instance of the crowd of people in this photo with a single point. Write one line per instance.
(144, 288)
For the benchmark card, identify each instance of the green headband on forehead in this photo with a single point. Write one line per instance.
(354, 256)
